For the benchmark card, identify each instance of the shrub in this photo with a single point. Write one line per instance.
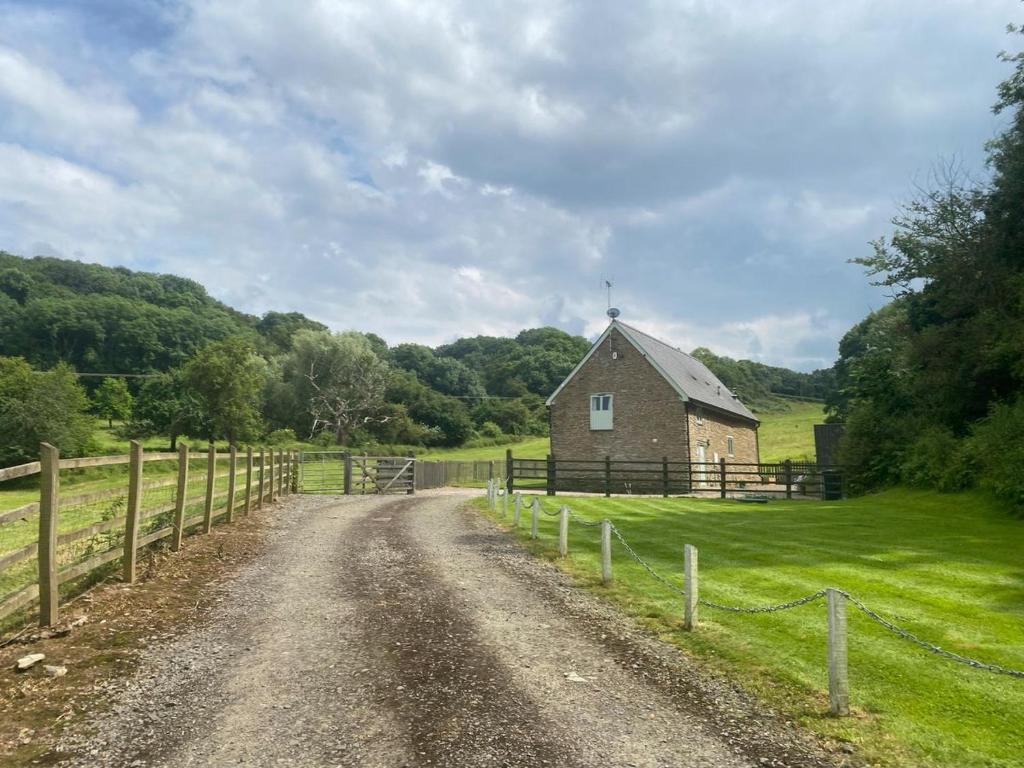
(997, 442)
(282, 437)
(937, 459)
(490, 429)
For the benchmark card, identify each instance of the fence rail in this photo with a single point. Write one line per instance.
(668, 477)
(69, 534)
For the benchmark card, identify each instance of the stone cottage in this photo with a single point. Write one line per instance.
(633, 397)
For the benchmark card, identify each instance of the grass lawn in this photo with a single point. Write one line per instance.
(530, 448)
(946, 567)
(789, 434)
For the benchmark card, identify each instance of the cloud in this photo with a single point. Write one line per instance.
(438, 168)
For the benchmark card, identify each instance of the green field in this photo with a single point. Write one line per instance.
(530, 448)
(789, 434)
(947, 567)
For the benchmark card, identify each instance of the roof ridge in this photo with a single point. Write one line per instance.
(656, 339)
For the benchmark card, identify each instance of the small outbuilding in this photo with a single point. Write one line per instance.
(633, 397)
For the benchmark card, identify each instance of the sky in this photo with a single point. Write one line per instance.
(426, 169)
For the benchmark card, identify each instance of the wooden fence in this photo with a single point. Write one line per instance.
(667, 477)
(146, 498)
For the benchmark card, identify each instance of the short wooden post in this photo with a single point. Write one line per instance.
(534, 517)
(606, 552)
(563, 531)
(517, 510)
(232, 469)
(504, 503)
(607, 476)
(131, 524)
(49, 509)
(211, 476)
(788, 470)
(248, 480)
(180, 498)
(551, 478)
(664, 476)
(263, 471)
(838, 682)
(691, 589)
(490, 469)
(721, 477)
(509, 479)
(289, 469)
(348, 474)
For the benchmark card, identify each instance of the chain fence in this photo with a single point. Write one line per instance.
(798, 602)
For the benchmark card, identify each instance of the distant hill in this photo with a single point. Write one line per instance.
(112, 319)
(767, 387)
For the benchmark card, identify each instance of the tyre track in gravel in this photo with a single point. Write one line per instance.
(408, 631)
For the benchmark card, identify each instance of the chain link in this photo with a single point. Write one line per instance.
(645, 565)
(583, 521)
(766, 608)
(907, 635)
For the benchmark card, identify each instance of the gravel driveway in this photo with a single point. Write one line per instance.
(405, 631)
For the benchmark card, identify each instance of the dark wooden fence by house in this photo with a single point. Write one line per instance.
(672, 478)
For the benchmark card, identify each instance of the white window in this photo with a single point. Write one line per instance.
(601, 411)
(698, 416)
(731, 445)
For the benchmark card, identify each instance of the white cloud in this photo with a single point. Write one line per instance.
(440, 168)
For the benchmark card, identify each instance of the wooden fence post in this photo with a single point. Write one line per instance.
(721, 476)
(232, 469)
(248, 480)
(691, 590)
(517, 509)
(182, 495)
(271, 474)
(563, 531)
(534, 517)
(288, 474)
(348, 473)
(281, 474)
(510, 480)
(131, 524)
(606, 552)
(788, 469)
(504, 502)
(211, 475)
(838, 683)
(49, 509)
(607, 476)
(664, 476)
(263, 471)
(552, 478)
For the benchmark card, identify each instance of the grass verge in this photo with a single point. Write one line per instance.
(947, 567)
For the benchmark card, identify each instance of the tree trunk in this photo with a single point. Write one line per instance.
(174, 441)
(340, 435)
(110, 423)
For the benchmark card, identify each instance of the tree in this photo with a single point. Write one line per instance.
(165, 405)
(112, 400)
(41, 406)
(340, 379)
(226, 378)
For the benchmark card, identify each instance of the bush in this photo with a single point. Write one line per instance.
(136, 429)
(997, 442)
(490, 429)
(282, 437)
(937, 459)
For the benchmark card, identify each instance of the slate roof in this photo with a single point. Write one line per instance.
(688, 375)
(686, 372)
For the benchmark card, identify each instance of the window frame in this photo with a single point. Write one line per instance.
(606, 399)
(730, 445)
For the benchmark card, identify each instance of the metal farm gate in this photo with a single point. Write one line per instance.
(340, 472)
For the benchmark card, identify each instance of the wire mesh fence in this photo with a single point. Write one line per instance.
(101, 510)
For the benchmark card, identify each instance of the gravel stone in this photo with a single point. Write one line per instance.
(411, 631)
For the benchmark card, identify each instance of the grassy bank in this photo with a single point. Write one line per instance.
(946, 567)
(789, 434)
